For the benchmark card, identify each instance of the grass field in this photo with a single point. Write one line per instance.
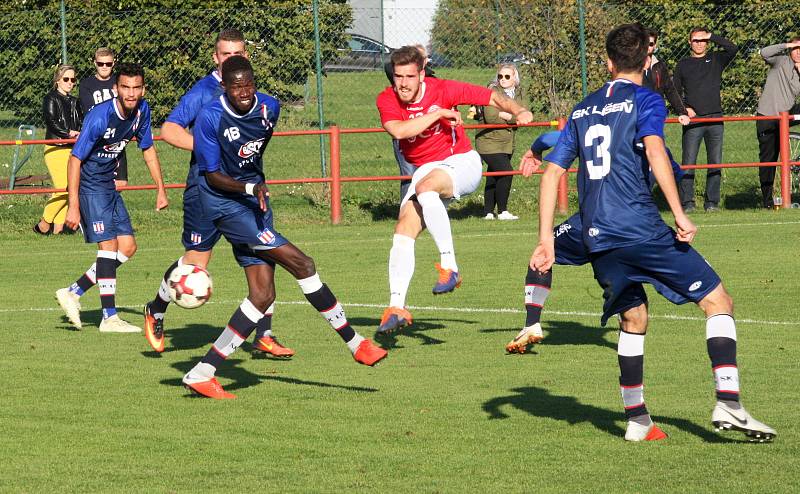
(447, 411)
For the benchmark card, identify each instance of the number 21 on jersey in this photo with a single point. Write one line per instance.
(598, 140)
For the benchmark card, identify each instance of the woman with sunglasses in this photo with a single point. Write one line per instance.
(497, 145)
(62, 117)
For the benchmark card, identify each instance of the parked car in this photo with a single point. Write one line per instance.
(361, 53)
(515, 58)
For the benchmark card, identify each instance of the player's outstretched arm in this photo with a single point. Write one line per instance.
(177, 136)
(530, 163)
(154, 166)
(225, 183)
(73, 219)
(544, 254)
(661, 167)
(507, 104)
(404, 129)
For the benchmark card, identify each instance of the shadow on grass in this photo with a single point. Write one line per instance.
(568, 333)
(416, 330)
(243, 378)
(540, 403)
(91, 318)
(383, 210)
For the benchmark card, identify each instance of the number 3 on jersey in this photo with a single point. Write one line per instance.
(598, 139)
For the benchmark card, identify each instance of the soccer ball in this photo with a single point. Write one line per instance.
(189, 286)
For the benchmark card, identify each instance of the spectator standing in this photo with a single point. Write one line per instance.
(699, 78)
(406, 168)
(62, 117)
(779, 94)
(658, 78)
(99, 87)
(497, 145)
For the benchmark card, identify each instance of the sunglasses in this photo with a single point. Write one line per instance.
(653, 43)
(699, 41)
(104, 64)
(69, 79)
(503, 76)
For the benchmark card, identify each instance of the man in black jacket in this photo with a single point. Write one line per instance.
(698, 78)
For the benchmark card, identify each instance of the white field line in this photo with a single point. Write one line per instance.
(177, 248)
(474, 310)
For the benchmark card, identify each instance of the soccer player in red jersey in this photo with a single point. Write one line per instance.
(422, 115)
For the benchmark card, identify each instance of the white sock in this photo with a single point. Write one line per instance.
(401, 269)
(202, 370)
(354, 342)
(438, 223)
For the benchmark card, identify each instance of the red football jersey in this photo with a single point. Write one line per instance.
(440, 140)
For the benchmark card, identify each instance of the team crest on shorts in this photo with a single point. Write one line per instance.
(266, 236)
(98, 226)
(195, 238)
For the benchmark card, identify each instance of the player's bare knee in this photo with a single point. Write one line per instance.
(304, 267)
(634, 320)
(128, 249)
(718, 301)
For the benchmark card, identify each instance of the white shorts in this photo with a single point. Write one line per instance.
(463, 169)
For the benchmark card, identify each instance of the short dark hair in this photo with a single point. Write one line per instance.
(698, 29)
(234, 64)
(229, 35)
(408, 55)
(652, 33)
(130, 70)
(626, 46)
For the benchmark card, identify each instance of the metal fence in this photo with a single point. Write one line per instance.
(465, 40)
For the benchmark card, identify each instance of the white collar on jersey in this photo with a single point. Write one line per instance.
(116, 104)
(231, 111)
(611, 85)
(216, 75)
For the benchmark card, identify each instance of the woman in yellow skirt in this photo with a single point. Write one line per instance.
(62, 117)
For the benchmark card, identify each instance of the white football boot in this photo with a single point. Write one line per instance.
(71, 303)
(529, 335)
(114, 324)
(725, 418)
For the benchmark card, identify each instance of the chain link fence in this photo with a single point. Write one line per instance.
(465, 39)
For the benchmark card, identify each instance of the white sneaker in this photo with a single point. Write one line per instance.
(529, 335)
(505, 215)
(725, 418)
(489, 216)
(114, 324)
(71, 303)
(637, 432)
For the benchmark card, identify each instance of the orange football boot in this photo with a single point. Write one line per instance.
(368, 353)
(270, 345)
(210, 389)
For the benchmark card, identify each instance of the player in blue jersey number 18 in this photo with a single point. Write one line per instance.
(617, 134)
(230, 137)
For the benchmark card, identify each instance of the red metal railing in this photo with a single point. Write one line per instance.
(335, 179)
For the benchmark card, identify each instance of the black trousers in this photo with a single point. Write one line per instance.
(769, 143)
(497, 188)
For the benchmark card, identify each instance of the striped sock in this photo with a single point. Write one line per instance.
(107, 281)
(86, 281)
(161, 301)
(630, 353)
(721, 344)
(240, 325)
(537, 288)
(321, 297)
(264, 327)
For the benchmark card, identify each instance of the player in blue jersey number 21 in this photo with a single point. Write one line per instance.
(617, 134)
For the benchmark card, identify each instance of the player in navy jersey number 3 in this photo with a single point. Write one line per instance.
(94, 202)
(230, 137)
(617, 134)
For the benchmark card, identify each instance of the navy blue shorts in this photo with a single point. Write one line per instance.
(104, 216)
(675, 269)
(249, 230)
(570, 250)
(199, 232)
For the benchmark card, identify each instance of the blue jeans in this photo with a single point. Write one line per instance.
(692, 135)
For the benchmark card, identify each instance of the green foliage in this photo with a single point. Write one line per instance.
(173, 40)
(474, 32)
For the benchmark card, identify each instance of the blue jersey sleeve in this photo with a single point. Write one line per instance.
(144, 134)
(206, 143)
(185, 113)
(566, 149)
(545, 141)
(651, 113)
(94, 126)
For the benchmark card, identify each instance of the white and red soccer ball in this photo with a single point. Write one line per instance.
(189, 286)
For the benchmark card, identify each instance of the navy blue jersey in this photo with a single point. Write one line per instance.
(104, 135)
(605, 133)
(233, 144)
(185, 113)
